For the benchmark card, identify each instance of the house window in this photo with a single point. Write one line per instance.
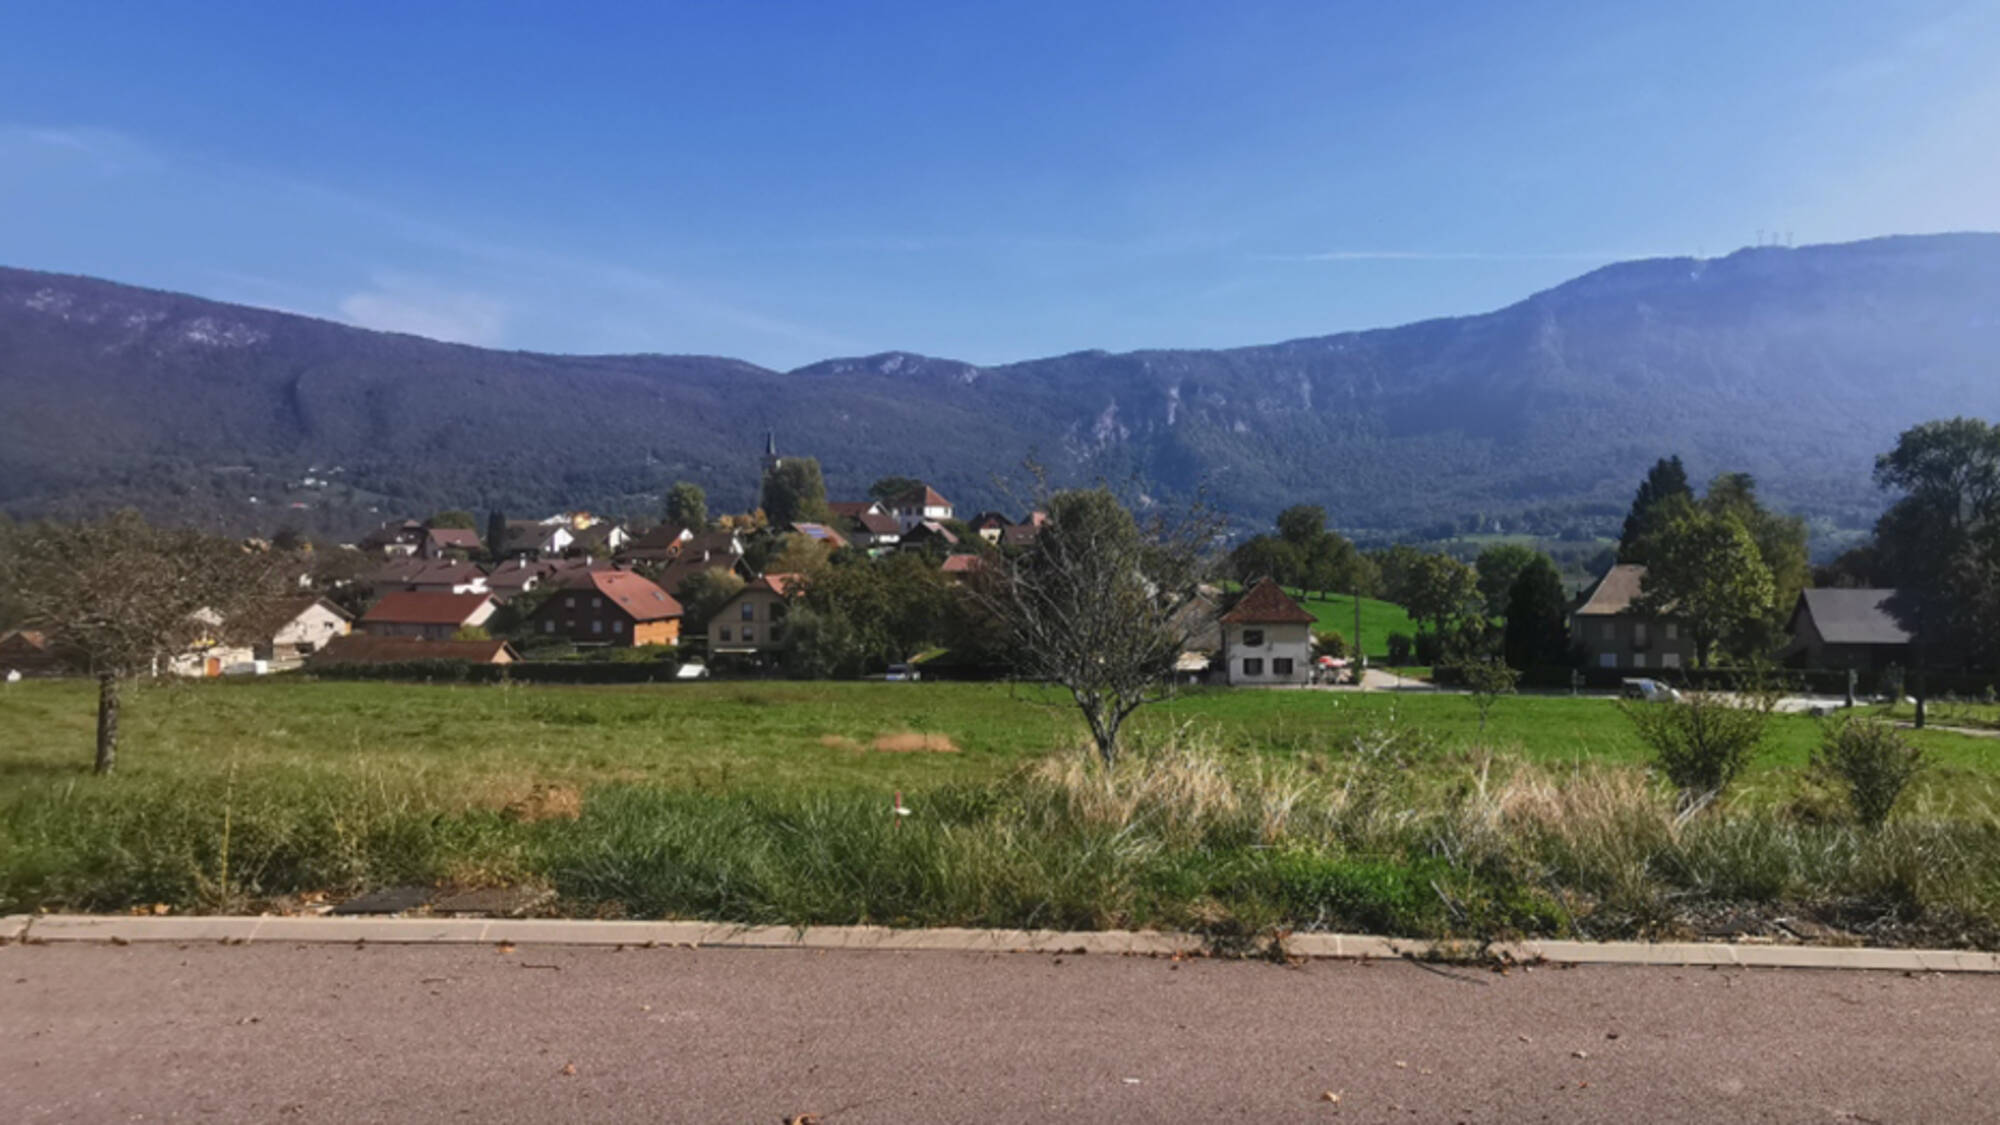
(749, 611)
(597, 603)
(1610, 631)
(569, 603)
(1253, 665)
(1673, 631)
(597, 626)
(1281, 666)
(1670, 659)
(725, 632)
(1253, 638)
(549, 626)
(617, 626)
(1638, 660)
(1639, 632)
(1607, 660)
(749, 634)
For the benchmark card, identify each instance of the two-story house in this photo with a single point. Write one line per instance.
(919, 504)
(1266, 638)
(609, 607)
(753, 622)
(410, 613)
(1613, 635)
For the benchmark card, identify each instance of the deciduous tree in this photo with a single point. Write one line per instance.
(795, 491)
(1096, 605)
(121, 597)
(1706, 571)
(687, 506)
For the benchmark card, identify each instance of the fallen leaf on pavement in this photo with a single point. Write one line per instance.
(1330, 1096)
(568, 1068)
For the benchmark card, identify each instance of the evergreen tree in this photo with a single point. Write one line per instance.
(496, 533)
(1537, 633)
(1653, 508)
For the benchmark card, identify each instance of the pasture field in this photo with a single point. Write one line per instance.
(769, 801)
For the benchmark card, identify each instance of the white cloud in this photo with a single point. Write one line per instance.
(401, 304)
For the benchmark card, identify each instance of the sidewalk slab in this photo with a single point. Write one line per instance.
(124, 929)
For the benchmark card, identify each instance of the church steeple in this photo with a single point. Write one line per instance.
(771, 458)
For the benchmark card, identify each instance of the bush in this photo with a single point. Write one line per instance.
(1870, 762)
(1430, 647)
(1401, 648)
(1703, 742)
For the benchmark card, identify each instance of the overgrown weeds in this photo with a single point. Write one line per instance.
(1384, 832)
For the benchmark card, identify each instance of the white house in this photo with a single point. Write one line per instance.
(300, 627)
(917, 505)
(1267, 638)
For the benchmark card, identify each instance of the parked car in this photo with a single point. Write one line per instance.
(1652, 691)
(902, 673)
(691, 672)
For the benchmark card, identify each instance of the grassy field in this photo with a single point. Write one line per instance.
(769, 801)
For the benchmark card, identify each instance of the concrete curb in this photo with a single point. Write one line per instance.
(123, 930)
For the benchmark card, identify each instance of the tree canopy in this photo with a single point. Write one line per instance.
(687, 506)
(1706, 571)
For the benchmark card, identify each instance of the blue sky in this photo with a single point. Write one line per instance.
(786, 182)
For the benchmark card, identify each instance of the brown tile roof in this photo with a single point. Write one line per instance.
(854, 509)
(424, 572)
(963, 564)
(922, 496)
(784, 585)
(1267, 604)
(464, 538)
(422, 607)
(361, 648)
(666, 537)
(985, 521)
(931, 529)
(1852, 617)
(878, 523)
(264, 619)
(639, 597)
(1615, 592)
(1020, 534)
(513, 576)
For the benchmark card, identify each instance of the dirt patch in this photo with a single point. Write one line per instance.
(910, 742)
(838, 742)
(546, 802)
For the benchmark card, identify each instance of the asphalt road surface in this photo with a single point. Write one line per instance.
(388, 1033)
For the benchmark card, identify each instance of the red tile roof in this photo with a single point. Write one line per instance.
(638, 596)
(963, 564)
(853, 509)
(1267, 604)
(422, 607)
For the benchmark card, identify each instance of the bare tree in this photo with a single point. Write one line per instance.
(1100, 605)
(118, 597)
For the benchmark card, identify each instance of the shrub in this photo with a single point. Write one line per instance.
(1401, 648)
(1870, 762)
(1329, 642)
(1704, 741)
(1430, 647)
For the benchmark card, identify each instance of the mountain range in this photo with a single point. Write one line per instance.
(1798, 365)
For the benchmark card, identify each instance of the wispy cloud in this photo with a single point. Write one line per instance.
(107, 149)
(396, 303)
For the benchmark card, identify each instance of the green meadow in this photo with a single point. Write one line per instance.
(1235, 813)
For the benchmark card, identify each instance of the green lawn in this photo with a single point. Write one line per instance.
(1378, 619)
(767, 801)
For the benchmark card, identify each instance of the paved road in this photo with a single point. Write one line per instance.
(382, 1033)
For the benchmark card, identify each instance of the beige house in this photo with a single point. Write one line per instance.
(1615, 636)
(753, 622)
(1266, 638)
